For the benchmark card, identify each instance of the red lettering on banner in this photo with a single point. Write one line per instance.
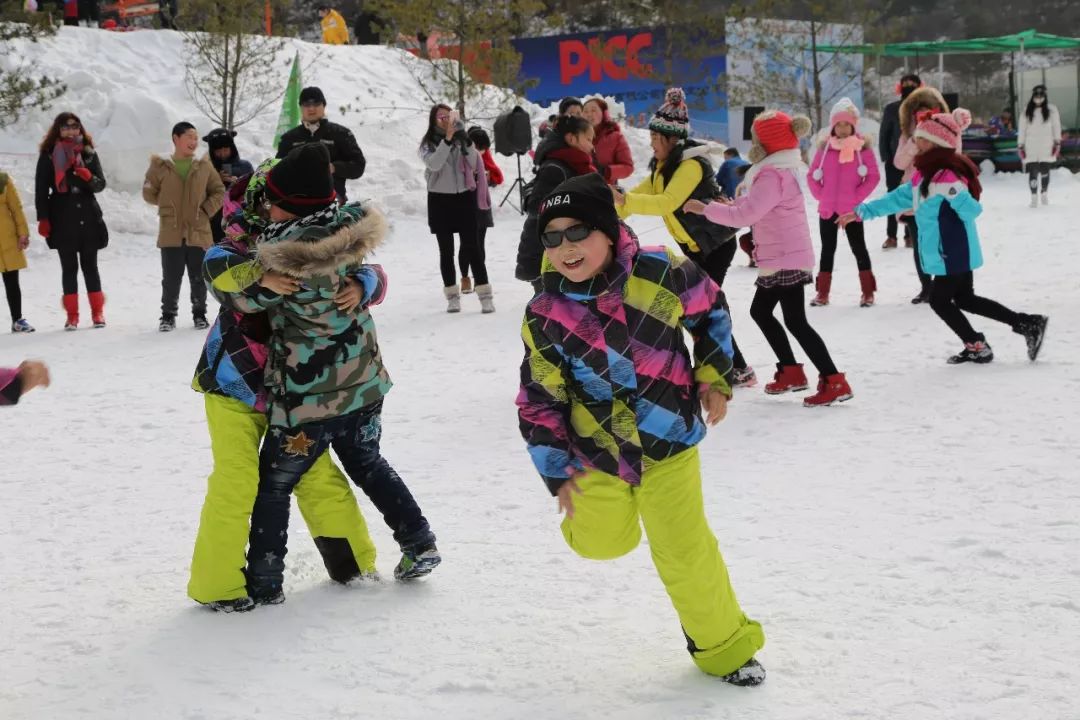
(600, 58)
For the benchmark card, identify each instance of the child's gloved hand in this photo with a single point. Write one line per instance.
(83, 174)
(567, 490)
(714, 403)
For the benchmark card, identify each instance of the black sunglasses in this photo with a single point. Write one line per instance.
(574, 233)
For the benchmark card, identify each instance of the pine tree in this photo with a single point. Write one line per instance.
(20, 90)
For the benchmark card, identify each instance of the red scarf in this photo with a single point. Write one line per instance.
(933, 161)
(580, 162)
(66, 154)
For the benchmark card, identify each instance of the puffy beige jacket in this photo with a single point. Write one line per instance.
(184, 207)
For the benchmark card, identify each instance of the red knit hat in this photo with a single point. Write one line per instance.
(774, 130)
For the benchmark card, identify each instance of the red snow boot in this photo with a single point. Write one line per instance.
(830, 389)
(788, 378)
(71, 306)
(869, 285)
(823, 284)
(97, 308)
(746, 244)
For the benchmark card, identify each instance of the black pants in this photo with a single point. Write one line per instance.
(952, 294)
(793, 305)
(283, 461)
(1035, 172)
(469, 248)
(70, 262)
(856, 239)
(174, 260)
(14, 294)
(924, 279)
(716, 265)
(893, 178)
(464, 259)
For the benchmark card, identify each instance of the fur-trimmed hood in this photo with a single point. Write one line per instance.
(321, 243)
(922, 98)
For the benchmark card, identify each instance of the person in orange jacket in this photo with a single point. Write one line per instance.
(334, 29)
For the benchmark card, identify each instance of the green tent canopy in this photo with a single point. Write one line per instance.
(1020, 42)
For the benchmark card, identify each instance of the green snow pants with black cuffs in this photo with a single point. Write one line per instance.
(607, 524)
(324, 495)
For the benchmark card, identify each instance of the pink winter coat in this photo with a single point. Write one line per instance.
(7, 377)
(613, 152)
(775, 208)
(839, 187)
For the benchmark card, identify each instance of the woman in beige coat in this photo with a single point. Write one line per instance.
(14, 239)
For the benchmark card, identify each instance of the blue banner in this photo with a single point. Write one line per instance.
(621, 64)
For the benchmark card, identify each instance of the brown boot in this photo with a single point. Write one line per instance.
(868, 284)
(466, 285)
(823, 285)
(889, 244)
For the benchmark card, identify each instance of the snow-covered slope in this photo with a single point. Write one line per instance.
(911, 554)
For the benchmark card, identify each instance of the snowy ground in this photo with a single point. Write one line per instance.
(911, 554)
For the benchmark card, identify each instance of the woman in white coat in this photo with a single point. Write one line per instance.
(1039, 142)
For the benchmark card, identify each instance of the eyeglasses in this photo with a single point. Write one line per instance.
(71, 126)
(575, 233)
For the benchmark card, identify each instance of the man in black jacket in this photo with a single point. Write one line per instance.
(888, 141)
(346, 160)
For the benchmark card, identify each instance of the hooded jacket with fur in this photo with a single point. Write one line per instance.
(324, 363)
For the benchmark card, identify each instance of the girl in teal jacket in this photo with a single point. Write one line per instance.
(944, 194)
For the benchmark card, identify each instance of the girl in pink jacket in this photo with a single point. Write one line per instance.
(843, 174)
(776, 210)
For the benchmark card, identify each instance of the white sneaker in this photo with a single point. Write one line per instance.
(1034, 201)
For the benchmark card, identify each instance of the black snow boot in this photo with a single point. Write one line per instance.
(1033, 328)
(750, 674)
(977, 352)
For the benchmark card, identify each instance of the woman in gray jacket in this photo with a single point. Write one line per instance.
(452, 164)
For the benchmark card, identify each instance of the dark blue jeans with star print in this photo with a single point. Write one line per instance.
(287, 453)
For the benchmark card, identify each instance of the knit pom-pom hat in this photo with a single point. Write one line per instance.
(773, 131)
(844, 111)
(672, 119)
(943, 129)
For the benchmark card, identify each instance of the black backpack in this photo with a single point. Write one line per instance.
(528, 188)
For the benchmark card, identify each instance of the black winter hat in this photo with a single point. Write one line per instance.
(312, 93)
(220, 138)
(586, 198)
(301, 183)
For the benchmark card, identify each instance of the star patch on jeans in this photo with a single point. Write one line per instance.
(297, 445)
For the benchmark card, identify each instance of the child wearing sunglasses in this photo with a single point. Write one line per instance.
(609, 407)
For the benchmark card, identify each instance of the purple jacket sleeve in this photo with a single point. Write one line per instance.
(10, 386)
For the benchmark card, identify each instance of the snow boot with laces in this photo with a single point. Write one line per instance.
(788, 378)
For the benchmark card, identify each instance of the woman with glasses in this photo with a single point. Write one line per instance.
(1039, 142)
(453, 171)
(69, 218)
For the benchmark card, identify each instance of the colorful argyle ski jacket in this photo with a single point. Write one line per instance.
(607, 381)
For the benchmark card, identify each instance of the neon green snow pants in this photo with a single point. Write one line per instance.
(669, 502)
(324, 495)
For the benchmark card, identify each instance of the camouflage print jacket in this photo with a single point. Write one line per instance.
(323, 363)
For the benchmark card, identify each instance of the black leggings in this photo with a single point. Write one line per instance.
(793, 305)
(924, 279)
(1035, 171)
(472, 251)
(70, 261)
(716, 265)
(953, 293)
(855, 237)
(14, 294)
(464, 260)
